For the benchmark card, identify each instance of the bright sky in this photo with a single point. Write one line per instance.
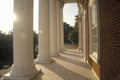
(69, 12)
(6, 15)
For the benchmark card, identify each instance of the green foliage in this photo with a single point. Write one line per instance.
(70, 33)
(6, 48)
(67, 29)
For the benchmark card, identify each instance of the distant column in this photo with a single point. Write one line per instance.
(80, 34)
(53, 28)
(23, 68)
(44, 33)
(58, 26)
(62, 28)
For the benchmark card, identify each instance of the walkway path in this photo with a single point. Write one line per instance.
(68, 66)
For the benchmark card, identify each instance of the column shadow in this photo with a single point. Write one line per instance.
(73, 61)
(39, 76)
(63, 72)
(70, 53)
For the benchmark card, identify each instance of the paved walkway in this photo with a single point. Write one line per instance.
(68, 66)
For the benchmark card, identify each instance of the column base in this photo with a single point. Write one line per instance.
(24, 72)
(39, 61)
(62, 50)
(58, 51)
(56, 55)
(27, 77)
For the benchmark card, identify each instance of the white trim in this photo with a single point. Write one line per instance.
(94, 72)
(94, 57)
(93, 32)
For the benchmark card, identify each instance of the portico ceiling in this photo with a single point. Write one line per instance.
(70, 1)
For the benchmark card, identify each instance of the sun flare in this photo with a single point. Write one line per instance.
(14, 17)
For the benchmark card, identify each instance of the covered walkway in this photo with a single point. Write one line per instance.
(68, 66)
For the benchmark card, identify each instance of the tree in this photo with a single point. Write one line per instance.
(73, 34)
(6, 49)
(67, 29)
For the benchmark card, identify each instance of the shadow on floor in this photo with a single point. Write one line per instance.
(39, 76)
(63, 72)
(73, 54)
(75, 62)
(67, 67)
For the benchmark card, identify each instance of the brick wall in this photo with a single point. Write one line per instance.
(110, 39)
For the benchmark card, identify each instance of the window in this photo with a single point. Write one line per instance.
(93, 30)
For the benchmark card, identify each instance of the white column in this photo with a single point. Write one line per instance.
(80, 34)
(84, 34)
(23, 68)
(58, 26)
(44, 33)
(53, 28)
(62, 29)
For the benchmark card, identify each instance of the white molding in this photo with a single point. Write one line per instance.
(94, 57)
(94, 72)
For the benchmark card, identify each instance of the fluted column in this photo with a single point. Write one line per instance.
(53, 28)
(84, 34)
(80, 34)
(62, 28)
(58, 26)
(23, 68)
(44, 32)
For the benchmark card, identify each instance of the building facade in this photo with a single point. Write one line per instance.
(100, 18)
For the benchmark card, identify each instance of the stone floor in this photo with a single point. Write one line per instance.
(67, 66)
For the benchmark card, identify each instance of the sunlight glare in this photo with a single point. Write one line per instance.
(36, 11)
(14, 17)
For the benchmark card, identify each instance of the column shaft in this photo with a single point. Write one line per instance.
(62, 30)
(58, 26)
(23, 68)
(44, 32)
(53, 28)
(80, 35)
